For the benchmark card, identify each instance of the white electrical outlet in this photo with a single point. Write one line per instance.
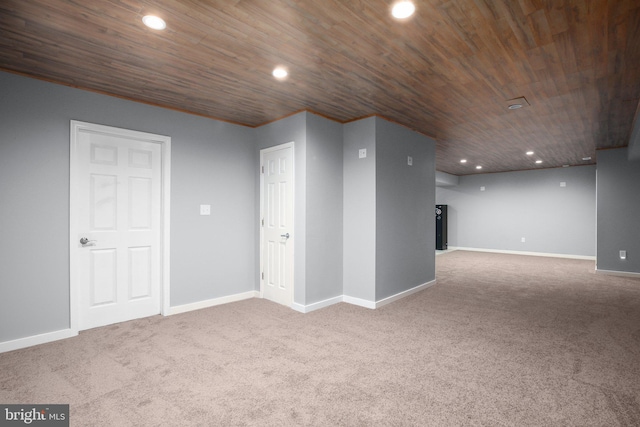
(362, 153)
(522, 240)
(205, 209)
(563, 184)
(410, 161)
(481, 188)
(623, 254)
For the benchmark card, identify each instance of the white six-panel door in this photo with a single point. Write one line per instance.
(118, 224)
(277, 224)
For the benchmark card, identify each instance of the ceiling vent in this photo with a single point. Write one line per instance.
(517, 103)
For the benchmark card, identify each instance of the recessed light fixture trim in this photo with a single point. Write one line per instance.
(154, 22)
(530, 153)
(280, 73)
(403, 9)
(463, 161)
(514, 106)
(586, 159)
(538, 161)
(478, 167)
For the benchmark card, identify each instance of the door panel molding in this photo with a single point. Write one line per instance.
(138, 160)
(267, 220)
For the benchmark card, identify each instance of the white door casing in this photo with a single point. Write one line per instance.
(277, 217)
(119, 225)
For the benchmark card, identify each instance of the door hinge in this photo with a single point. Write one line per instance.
(262, 275)
(262, 222)
(261, 169)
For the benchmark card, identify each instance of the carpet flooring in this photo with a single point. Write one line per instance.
(499, 340)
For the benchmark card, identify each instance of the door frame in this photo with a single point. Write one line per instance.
(261, 219)
(74, 200)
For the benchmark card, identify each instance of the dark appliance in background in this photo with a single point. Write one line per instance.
(441, 227)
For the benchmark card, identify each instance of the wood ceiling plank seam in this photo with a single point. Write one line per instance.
(518, 24)
(556, 17)
(100, 10)
(597, 24)
(137, 57)
(506, 71)
(462, 27)
(539, 26)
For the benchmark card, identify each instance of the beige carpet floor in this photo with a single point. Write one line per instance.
(500, 340)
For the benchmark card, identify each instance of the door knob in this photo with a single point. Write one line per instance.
(286, 236)
(86, 242)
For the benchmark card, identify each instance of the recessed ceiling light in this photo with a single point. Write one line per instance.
(478, 167)
(514, 106)
(586, 158)
(280, 73)
(529, 153)
(538, 161)
(154, 22)
(565, 166)
(463, 161)
(403, 9)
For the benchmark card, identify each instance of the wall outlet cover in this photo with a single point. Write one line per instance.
(410, 161)
(362, 153)
(205, 209)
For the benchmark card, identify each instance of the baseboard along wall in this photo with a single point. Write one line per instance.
(36, 340)
(68, 333)
(543, 254)
(619, 273)
(211, 302)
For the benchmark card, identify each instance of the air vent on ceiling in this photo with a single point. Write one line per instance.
(517, 103)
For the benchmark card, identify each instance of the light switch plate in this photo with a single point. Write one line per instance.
(205, 209)
(563, 184)
(362, 153)
(410, 161)
(481, 188)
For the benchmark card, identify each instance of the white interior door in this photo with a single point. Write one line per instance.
(277, 224)
(118, 224)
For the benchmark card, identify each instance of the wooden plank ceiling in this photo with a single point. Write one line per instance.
(447, 72)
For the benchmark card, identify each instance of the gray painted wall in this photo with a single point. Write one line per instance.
(618, 211)
(212, 163)
(634, 140)
(389, 239)
(359, 196)
(290, 129)
(318, 202)
(444, 179)
(529, 204)
(324, 209)
(405, 196)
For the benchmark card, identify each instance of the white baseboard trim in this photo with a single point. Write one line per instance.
(212, 302)
(360, 302)
(68, 333)
(36, 340)
(388, 300)
(403, 294)
(316, 305)
(543, 254)
(619, 273)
